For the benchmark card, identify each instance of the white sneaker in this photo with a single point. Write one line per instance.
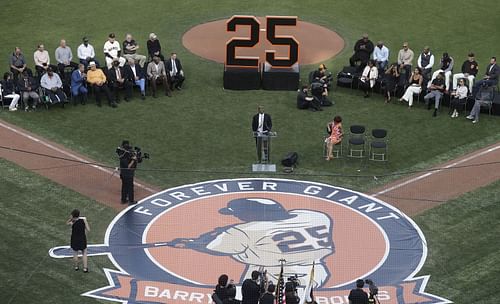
(12, 109)
(475, 121)
(470, 117)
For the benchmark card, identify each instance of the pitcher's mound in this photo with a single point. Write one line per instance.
(316, 43)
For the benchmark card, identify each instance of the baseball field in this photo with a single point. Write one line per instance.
(204, 133)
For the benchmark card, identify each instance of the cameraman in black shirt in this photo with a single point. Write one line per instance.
(128, 163)
(358, 295)
(251, 290)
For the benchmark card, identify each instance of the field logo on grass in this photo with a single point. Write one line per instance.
(172, 246)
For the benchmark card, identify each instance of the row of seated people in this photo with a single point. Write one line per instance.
(364, 50)
(107, 82)
(86, 53)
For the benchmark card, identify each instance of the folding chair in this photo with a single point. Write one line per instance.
(378, 145)
(357, 141)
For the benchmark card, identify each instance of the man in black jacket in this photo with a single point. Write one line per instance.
(174, 68)
(250, 290)
(136, 75)
(261, 126)
(362, 51)
(490, 78)
(128, 163)
(117, 79)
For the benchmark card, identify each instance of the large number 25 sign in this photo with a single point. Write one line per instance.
(272, 22)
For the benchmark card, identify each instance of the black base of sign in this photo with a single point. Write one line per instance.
(239, 78)
(284, 79)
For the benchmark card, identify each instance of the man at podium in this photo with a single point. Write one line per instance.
(261, 126)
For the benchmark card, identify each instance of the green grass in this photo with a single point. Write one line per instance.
(33, 212)
(462, 236)
(206, 128)
(204, 132)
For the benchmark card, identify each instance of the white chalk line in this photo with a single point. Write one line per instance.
(68, 154)
(417, 178)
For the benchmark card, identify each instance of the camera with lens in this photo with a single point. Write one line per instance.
(132, 152)
(292, 284)
(373, 290)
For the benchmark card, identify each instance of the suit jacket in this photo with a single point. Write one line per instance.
(112, 74)
(267, 125)
(151, 70)
(177, 64)
(77, 80)
(129, 74)
(495, 72)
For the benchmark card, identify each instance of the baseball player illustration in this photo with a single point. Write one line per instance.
(269, 232)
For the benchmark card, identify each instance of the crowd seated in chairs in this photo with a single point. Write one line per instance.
(69, 80)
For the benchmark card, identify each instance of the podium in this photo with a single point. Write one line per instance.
(263, 146)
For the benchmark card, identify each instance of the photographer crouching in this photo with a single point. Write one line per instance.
(129, 158)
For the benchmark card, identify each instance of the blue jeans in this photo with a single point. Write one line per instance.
(142, 84)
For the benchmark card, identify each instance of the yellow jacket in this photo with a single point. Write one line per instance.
(96, 76)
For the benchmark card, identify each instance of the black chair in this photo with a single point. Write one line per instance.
(357, 141)
(378, 145)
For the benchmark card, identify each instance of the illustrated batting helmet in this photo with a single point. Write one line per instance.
(256, 209)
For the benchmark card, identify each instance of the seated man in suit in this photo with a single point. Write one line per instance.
(52, 84)
(117, 79)
(97, 79)
(490, 78)
(156, 72)
(135, 74)
(78, 80)
(28, 86)
(174, 68)
(307, 102)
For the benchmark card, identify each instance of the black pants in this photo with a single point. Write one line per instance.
(176, 81)
(97, 93)
(61, 67)
(127, 189)
(126, 85)
(56, 97)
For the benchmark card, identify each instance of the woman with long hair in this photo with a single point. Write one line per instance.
(415, 87)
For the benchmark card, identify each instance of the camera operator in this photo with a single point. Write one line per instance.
(319, 90)
(268, 297)
(304, 101)
(324, 76)
(358, 295)
(291, 295)
(251, 289)
(128, 163)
